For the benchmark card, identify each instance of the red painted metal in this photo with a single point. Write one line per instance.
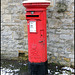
(37, 41)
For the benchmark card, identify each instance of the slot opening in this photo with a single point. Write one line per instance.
(32, 15)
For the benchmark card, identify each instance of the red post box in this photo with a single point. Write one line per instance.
(37, 39)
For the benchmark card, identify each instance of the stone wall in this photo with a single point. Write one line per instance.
(60, 31)
(60, 34)
(13, 28)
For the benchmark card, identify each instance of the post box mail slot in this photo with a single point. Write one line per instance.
(33, 15)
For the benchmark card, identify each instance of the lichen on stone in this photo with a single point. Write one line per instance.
(61, 7)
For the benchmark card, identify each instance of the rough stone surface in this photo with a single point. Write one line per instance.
(60, 31)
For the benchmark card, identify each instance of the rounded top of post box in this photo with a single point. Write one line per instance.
(35, 1)
(30, 4)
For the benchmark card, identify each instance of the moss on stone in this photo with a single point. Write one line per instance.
(62, 7)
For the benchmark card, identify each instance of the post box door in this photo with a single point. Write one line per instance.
(36, 41)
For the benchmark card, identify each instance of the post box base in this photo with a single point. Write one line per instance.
(38, 68)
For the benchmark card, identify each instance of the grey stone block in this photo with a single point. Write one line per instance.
(67, 37)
